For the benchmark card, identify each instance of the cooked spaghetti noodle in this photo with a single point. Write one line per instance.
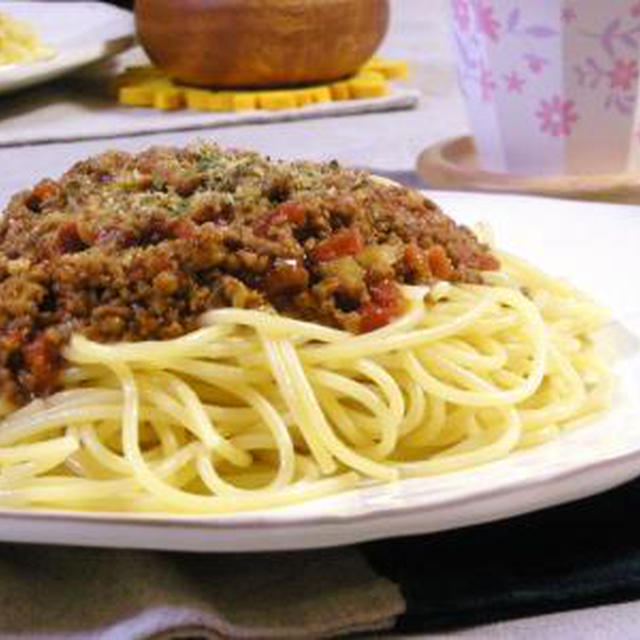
(257, 409)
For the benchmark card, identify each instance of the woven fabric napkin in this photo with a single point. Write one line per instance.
(89, 594)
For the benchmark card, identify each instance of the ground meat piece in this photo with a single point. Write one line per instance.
(286, 277)
(137, 247)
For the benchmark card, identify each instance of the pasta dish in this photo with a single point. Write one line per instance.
(206, 331)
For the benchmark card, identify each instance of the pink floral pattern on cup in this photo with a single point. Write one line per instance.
(487, 84)
(486, 20)
(569, 14)
(461, 14)
(552, 86)
(514, 82)
(616, 82)
(623, 75)
(557, 116)
(535, 62)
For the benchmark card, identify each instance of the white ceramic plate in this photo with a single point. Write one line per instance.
(80, 32)
(598, 248)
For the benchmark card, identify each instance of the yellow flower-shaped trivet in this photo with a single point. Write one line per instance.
(147, 86)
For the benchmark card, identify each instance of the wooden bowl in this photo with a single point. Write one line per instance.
(260, 43)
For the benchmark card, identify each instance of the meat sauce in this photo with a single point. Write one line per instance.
(130, 247)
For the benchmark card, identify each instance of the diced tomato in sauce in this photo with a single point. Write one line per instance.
(41, 359)
(373, 317)
(292, 212)
(45, 190)
(343, 243)
(385, 305)
(440, 263)
(415, 259)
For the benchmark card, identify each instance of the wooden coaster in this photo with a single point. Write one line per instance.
(453, 164)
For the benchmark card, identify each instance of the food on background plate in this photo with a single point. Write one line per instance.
(206, 331)
(20, 43)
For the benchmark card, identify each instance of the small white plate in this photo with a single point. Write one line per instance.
(80, 32)
(593, 245)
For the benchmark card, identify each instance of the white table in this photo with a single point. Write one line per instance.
(389, 142)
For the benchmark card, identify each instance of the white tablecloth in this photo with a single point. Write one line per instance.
(388, 142)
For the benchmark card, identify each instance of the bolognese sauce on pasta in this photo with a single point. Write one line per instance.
(200, 330)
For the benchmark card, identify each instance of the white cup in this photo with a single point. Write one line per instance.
(550, 86)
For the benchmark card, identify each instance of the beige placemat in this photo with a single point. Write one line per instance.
(55, 593)
(80, 107)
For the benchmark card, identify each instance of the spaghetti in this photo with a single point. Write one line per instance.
(257, 410)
